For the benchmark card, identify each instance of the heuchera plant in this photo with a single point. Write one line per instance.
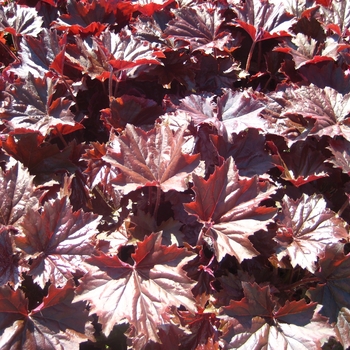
(174, 174)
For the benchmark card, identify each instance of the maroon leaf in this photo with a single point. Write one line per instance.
(41, 159)
(305, 227)
(263, 20)
(256, 302)
(333, 291)
(257, 320)
(122, 52)
(216, 74)
(301, 164)
(178, 66)
(20, 20)
(152, 158)
(341, 152)
(17, 195)
(201, 109)
(85, 56)
(57, 240)
(84, 17)
(125, 51)
(9, 269)
(229, 207)
(343, 327)
(56, 323)
(305, 50)
(37, 55)
(325, 109)
(145, 224)
(327, 74)
(31, 106)
(200, 27)
(338, 13)
(248, 151)
(240, 110)
(202, 329)
(138, 293)
(131, 109)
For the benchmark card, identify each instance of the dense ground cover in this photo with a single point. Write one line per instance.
(177, 171)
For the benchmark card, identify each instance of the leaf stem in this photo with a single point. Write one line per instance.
(156, 206)
(250, 55)
(69, 89)
(59, 134)
(302, 282)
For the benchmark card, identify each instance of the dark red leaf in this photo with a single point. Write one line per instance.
(302, 163)
(20, 20)
(333, 292)
(229, 207)
(257, 320)
(57, 240)
(41, 159)
(9, 267)
(131, 110)
(31, 106)
(341, 154)
(152, 158)
(140, 293)
(263, 20)
(240, 110)
(84, 17)
(199, 26)
(202, 329)
(305, 227)
(37, 55)
(56, 324)
(248, 151)
(16, 195)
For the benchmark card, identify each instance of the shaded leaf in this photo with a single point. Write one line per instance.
(333, 293)
(247, 148)
(85, 17)
(302, 163)
(131, 110)
(41, 159)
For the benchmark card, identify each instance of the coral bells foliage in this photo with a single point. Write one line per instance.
(174, 174)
